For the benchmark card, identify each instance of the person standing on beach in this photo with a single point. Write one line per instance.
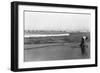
(83, 45)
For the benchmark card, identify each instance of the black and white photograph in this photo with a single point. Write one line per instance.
(56, 35)
(53, 36)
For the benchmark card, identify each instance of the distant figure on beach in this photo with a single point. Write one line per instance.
(83, 45)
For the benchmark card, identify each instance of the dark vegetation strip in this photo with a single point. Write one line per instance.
(43, 46)
(72, 46)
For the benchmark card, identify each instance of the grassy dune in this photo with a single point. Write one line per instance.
(74, 37)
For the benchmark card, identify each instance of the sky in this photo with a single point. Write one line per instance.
(57, 21)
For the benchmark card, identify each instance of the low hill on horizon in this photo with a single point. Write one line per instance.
(51, 32)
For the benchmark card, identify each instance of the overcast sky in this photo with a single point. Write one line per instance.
(57, 21)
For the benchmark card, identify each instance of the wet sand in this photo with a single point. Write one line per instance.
(47, 52)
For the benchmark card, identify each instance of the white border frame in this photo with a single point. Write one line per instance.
(22, 64)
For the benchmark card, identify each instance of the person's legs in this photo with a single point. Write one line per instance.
(83, 49)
